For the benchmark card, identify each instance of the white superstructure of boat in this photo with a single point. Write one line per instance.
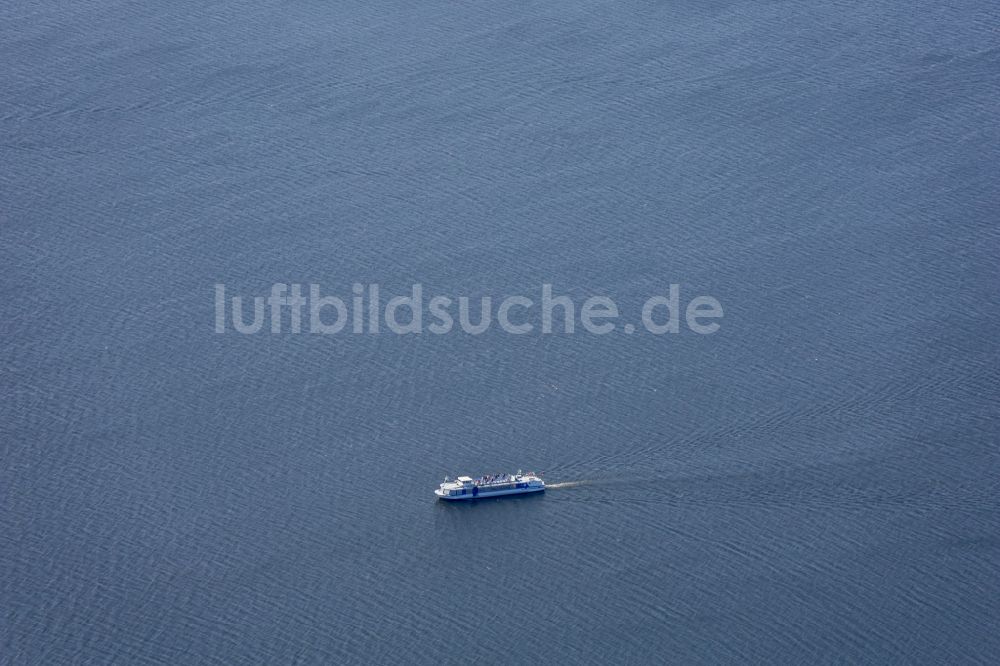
(490, 485)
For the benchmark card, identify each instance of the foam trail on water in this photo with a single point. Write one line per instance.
(564, 484)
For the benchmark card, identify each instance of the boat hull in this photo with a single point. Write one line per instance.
(482, 495)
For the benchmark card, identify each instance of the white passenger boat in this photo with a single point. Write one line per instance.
(490, 485)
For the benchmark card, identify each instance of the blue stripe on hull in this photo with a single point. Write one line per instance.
(502, 493)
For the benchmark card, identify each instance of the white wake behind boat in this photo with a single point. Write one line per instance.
(490, 485)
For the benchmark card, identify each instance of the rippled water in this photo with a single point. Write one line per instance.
(816, 482)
